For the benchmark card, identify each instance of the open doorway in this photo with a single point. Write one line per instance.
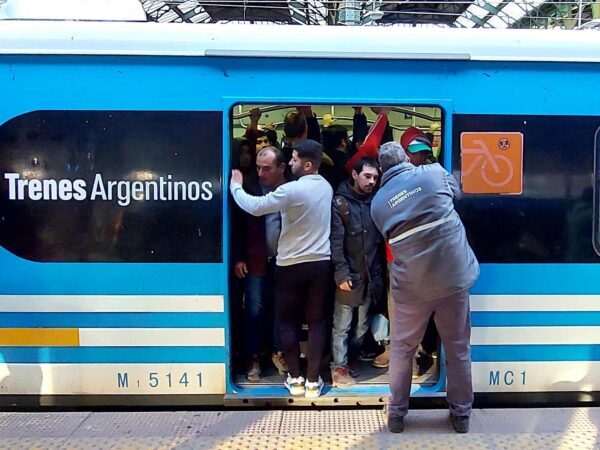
(253, 128)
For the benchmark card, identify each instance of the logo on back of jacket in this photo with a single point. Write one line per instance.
(403, 195)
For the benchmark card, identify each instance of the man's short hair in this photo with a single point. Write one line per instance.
(261, 133)
(333, 137)
(365, 162)
(279, 156)
(272, 137)
(309, 150)
(390, 155)
(294, 124)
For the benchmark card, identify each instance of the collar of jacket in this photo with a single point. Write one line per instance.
(345, 190)
(391, 173)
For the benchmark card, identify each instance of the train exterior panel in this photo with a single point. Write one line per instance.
(116, 279)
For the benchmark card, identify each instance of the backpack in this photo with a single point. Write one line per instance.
(343, 208)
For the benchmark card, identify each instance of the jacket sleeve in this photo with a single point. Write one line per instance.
(370, 148)
(360, 127)
(251, 134)
(388, 134)
(341, 270)
(313, 129)
(452, 185)
(277, 200)
(239, 247)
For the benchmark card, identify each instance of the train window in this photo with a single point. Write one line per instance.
(133, 186)
(355, 121)
(551, 220)
(596, 232)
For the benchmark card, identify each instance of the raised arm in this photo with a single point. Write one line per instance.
(251, 132)
(370, 147)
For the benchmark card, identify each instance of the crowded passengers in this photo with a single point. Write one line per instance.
(367, 224)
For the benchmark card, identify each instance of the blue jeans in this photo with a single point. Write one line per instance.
(342, 321)
(259, 313)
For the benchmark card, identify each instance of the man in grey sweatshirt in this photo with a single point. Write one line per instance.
(303, 267)
(433, 269)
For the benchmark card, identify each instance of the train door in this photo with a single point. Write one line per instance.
(255, 364)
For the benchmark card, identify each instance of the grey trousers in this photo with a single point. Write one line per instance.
(453, 320)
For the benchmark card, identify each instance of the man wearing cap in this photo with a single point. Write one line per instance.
(419, 152)
(303, 262)
(432, 271)
(418, 145)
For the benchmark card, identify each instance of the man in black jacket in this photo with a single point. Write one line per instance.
(356, 252)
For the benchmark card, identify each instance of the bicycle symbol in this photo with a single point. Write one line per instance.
(491, 161)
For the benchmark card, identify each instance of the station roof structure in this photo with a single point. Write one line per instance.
(564, 14)
(416, 13)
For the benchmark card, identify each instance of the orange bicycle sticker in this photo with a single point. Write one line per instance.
(492, 163)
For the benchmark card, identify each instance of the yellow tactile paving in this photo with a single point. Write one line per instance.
(494, 429)
(39, 337)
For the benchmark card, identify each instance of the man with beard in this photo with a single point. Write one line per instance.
(303, 264)
(356, 252)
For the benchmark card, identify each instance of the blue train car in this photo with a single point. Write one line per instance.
(115, 220)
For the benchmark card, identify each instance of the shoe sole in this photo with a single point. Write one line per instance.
(295, 391)
(380, 366)
(310, 394)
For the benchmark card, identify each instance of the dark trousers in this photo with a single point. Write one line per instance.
(259, 313)
(302, 288)
(453, 320)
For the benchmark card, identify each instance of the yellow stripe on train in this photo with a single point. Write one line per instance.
(39, 337)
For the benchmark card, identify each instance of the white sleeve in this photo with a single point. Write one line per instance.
(277, 200)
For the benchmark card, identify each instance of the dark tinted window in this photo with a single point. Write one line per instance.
(112, 186)
(552, 220)
(597, 194)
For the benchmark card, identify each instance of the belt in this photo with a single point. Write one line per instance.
(424, 227)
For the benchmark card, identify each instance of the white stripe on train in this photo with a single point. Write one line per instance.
(535, 302)
(112, 303)
(565, 335)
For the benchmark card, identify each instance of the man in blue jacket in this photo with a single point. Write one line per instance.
(433, 269)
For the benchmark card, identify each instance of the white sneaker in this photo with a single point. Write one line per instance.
(313, 389)
(294, 385)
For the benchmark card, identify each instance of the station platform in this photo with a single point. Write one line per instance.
(549, 428)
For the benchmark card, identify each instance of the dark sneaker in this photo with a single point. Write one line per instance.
(367, 356)
(354, 368)
(424, 363)
(460, 423)
(396, 424)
